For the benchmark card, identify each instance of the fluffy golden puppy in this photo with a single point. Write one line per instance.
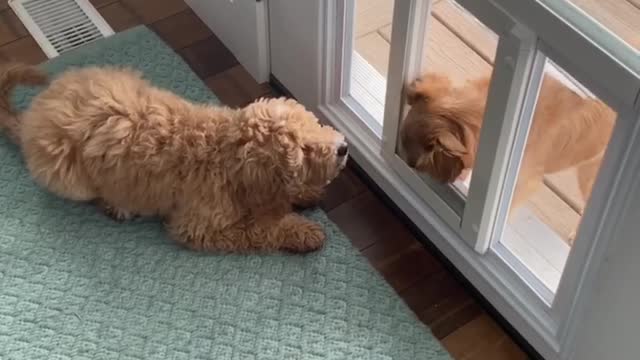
(440, 133)
(223, 179)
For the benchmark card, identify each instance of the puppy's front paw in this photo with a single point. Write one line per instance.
(307, 237)
(304, 205)
(116, 214)
(308, 200)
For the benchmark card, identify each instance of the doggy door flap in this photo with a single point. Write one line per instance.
(445, 102)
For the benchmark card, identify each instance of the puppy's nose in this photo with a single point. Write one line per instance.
(343, 149)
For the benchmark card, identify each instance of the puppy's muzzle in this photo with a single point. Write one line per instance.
(343, 150)
(342, 153)
(411, 161)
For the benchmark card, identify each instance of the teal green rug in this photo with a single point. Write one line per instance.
(76, 285)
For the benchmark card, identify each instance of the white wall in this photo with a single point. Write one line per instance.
(243, 28)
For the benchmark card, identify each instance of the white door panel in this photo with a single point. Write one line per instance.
(295, 33)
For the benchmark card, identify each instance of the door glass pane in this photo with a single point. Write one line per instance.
(438, 136)
(370, 56)
(622, 17)
(569, 134)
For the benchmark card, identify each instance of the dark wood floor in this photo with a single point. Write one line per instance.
(434, 294)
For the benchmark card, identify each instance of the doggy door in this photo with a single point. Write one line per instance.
(445, 101)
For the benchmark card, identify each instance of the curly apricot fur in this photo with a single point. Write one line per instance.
(223, 179)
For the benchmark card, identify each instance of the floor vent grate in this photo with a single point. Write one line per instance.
(61, 25)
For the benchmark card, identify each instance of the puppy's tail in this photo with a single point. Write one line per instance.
(12, 75)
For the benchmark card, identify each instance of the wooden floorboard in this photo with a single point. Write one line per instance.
(119, 16)
(403, 271)
(474, 34)
(100, 3)
(192, 29)
(480, 333)
(344, 188)
(366, 220)
(375, 49)
(152, 11)
(619, 16)
(235, 87)
(371, 15)
(446, 54)
(426, 285)
(11, 29)
(208, 57)
(24, 49)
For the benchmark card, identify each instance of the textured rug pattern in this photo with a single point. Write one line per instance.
(75, 285)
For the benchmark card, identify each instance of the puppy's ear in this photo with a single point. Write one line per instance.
(449, 143)
(258, 177)
(427, 88)
(446, 168)
(290, 145)
(445, 162)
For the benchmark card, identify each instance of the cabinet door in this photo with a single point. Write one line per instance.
(295, 43)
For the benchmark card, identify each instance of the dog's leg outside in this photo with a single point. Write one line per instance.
(529, 180)
(587, 173)
(292, 233)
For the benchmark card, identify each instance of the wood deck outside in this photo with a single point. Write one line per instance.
(462, 48)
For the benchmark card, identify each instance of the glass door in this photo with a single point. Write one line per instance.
(503, 135)
(502, 129)
(370, 52)
(500, 119)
